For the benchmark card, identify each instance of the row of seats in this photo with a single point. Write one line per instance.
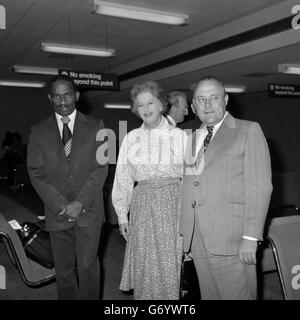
(283, 240)
(32, 273)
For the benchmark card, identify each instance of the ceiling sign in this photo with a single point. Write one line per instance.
(284, 90)
(93, 80)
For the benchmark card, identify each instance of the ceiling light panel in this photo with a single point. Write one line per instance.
(139, 13)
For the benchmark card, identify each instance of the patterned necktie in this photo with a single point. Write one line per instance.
(66, 136)
(204, 146)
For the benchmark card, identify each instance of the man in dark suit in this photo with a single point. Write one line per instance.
(178, 107)
(192, 125)
(226, 193)
(63, 169)
(178, 110)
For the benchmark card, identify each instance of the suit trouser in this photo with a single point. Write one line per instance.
(221, 276)
(77, 247)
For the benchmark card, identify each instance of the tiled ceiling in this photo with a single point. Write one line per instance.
(137, 43)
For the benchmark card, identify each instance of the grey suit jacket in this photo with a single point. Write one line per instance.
(231, 195)
(59, 181)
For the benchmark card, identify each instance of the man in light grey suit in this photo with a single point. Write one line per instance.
(226, 193)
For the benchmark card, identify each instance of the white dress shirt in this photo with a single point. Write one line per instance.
(72, 117)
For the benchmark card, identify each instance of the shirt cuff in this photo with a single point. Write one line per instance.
(122, 219)
(250, 238)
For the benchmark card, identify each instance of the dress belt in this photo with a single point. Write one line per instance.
(159, 182)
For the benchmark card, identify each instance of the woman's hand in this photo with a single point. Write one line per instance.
(124, 230)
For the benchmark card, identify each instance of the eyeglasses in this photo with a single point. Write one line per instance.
(214, 99)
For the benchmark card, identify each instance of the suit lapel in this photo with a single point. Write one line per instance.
(79, 134)
(54, 136)
(217, 144)
(219, 140)
(53, 141)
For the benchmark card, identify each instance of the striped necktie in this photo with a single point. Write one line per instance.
(66, 136)
(204, 146)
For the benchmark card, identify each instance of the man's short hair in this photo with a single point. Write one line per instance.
(173, 97)
(61, 77)
(210, 78)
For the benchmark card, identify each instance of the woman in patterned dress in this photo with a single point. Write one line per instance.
(152, 157)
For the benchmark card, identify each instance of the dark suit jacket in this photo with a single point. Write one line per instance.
(190, 126)
(231, 195)
(59, 181)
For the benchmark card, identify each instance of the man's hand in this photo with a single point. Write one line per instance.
(124, 230)
(73, 210)
(247, 251)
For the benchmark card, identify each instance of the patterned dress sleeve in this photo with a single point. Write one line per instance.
(123, 184)
(181, 146)
(185, 138)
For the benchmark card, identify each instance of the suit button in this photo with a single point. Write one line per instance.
(196, 183)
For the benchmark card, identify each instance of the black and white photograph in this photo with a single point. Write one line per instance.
(150, 155)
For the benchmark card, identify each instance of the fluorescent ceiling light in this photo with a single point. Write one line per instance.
(86, 51)
(289, 68)
(138, 13)
(234, 89)
(117, 106)
(14, 83)
(35, 70)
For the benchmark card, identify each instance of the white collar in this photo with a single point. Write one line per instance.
(162, 125)
(172, 120)
(71, 116)
(216, 126)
